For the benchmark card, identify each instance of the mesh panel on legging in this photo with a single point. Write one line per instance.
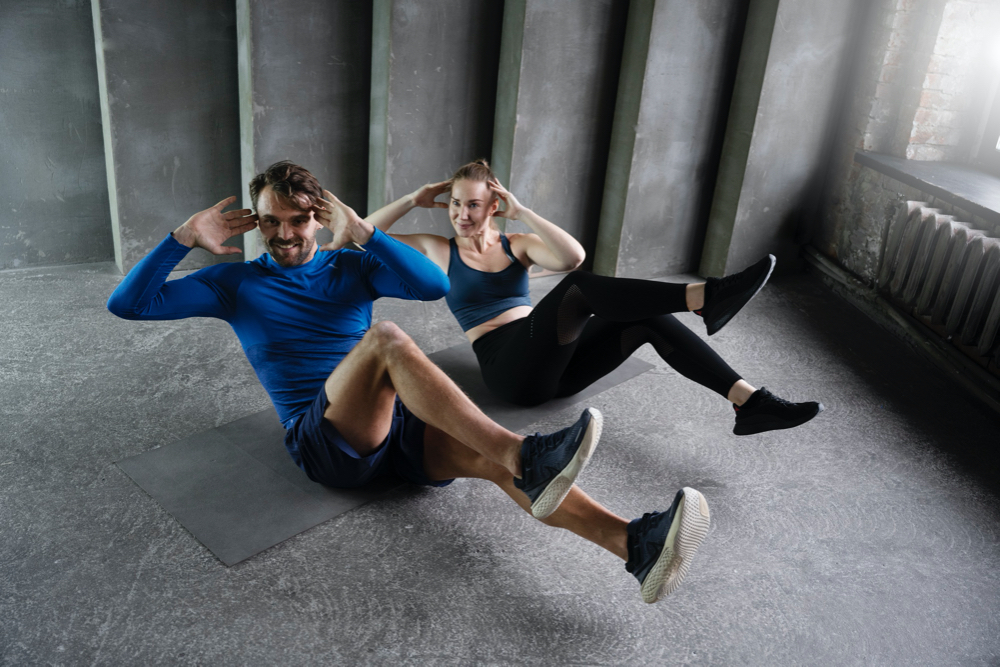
(581, 295)
(603, 346)
(524, 362)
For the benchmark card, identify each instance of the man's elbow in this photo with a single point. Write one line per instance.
(120, 307)
(438, 289)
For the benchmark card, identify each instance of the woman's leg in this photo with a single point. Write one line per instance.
(525, 365)
(530, 366)
(603, 346)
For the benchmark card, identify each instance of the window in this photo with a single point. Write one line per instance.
(988, 153)
(989, 148)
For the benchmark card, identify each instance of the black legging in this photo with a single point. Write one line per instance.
(584, 329)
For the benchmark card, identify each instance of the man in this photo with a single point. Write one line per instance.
(359, 400)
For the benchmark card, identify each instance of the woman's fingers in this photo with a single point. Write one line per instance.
(499, 189)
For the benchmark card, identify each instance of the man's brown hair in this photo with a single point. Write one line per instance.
(289, 180)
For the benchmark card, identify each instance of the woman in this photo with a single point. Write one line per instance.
(587, 325)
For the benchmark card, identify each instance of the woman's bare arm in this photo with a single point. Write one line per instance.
(550, 247)
(434, 247)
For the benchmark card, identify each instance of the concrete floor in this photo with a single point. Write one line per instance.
(870, 536)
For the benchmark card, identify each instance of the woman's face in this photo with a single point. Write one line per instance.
(471, 206)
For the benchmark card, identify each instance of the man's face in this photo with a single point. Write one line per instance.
(289, 232)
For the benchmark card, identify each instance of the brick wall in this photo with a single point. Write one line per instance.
(951, 97)
(917, 91)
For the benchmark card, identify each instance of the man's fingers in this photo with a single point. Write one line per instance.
(243, 228)
(235, 221)
(229, 250)
(224, 203)
(241, 213)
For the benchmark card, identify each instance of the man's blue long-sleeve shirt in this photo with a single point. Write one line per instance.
(295, 324)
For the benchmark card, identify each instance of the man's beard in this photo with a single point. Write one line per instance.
(300, 255)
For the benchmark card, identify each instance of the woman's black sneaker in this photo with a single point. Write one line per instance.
(550, 463)
(661, 545)
(764, 411)
(724, 297)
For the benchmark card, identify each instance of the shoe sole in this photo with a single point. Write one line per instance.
(759, 287)
(687, 532)
(765, 423)
(559, 487)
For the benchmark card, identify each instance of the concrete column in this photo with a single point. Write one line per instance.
(559, 66)
(168, 81)
(672, 99)
(434, 74)
(778, 141)
(53, 193)
(305, 76)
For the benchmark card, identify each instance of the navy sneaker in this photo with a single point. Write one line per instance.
(724, 297)
(764, 411)
(662, 544)
(550, 463)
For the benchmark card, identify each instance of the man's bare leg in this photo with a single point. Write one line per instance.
(386, 362)
(662, 546)
(446, 458)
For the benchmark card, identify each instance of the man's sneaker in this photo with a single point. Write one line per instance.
(550, 463)
(661, 545)
(724, 297)
(764, 411)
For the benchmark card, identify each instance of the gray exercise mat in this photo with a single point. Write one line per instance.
(238, 492)
(460, 364)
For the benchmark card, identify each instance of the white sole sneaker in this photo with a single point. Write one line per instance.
(687, 532)
(557, 490)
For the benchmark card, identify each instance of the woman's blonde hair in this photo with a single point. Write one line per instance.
(477, 170)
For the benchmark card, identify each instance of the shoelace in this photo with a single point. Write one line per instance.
(771, 398)
(725, 282)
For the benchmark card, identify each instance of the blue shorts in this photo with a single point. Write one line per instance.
(319, 449)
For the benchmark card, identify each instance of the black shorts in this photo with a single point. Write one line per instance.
(319, 449)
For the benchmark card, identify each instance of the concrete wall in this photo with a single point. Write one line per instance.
(170, 114)
(310, 103)
(53, 191)
(809, 51)
(434, 76)
(672, 100)
(560, 63)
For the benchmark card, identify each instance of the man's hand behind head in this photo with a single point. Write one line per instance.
(347, 226)
(210, 228)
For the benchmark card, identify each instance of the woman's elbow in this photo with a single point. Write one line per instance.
(574, 261)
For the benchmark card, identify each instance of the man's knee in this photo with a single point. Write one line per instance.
(387, 337)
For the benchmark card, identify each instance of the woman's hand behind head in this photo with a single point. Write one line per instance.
(425, 196)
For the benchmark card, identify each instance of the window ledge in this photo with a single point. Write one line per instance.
(968, 188)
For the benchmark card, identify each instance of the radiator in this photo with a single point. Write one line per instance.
(947, 273)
